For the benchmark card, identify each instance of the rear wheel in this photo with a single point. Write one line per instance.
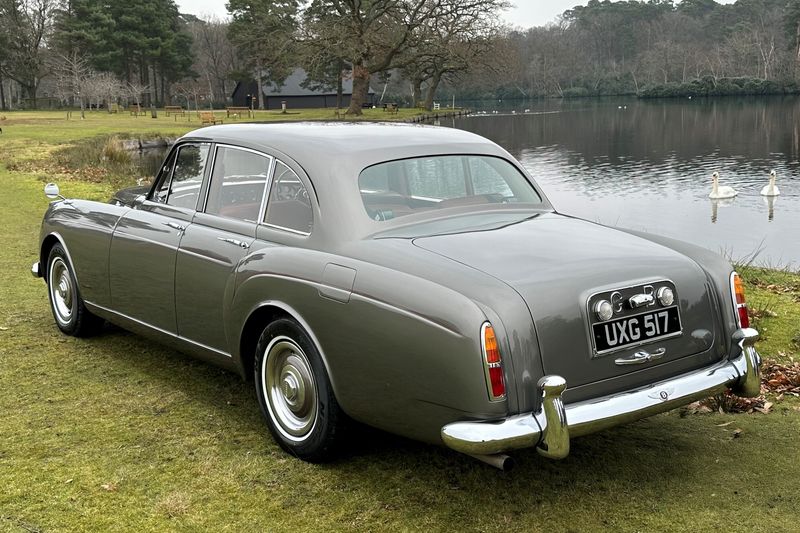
(295, 393)
(68, 308)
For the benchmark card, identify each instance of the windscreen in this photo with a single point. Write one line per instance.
(398, 188)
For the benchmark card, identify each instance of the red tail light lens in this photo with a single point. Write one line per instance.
(492, 362)
(737, 288)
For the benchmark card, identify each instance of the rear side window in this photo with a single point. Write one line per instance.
(289, 204)
(398, 188)
(237, 184)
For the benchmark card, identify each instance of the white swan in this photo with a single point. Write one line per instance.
(771, 189)
(718, 192)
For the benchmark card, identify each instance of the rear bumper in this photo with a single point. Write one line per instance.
(551, 428)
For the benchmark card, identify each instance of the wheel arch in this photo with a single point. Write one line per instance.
(259, 318)
(44, 254)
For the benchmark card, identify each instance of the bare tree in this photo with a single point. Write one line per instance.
(71, 73)
(27, 24)
(215, 55)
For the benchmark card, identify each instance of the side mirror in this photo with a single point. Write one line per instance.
(51, 191)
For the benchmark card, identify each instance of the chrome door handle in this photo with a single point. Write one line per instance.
(235, 242)
(175, 225)
(641, 357)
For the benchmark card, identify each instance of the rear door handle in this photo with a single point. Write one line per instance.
(235, 242)
(175, 225)
(641, 357)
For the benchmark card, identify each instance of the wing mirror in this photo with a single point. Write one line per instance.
(52, 192)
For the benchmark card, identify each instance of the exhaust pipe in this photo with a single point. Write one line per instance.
(500, 461)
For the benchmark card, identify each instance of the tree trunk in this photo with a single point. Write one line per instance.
(433, 84)
(360, 88)
(339, 88)
(259, 90)
(2, 94)
(416, 88)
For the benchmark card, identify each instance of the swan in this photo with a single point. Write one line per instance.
(718, 192)
(771, 189)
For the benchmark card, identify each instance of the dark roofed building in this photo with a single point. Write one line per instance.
(294, 93)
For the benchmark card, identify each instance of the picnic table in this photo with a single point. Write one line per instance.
(136, 110)
(174, 109)
(390, 107)
(239, 111)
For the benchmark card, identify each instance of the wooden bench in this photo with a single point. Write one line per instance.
(391, 108)
(174, 109)
(208, 117)
(238, 111)
(136, 110)
(113, 108)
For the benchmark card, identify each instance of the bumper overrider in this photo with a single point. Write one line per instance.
(551, 428)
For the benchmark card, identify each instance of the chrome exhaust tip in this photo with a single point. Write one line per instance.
(500, 461)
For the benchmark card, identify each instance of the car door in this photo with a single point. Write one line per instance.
(221, 235)
(145, 242)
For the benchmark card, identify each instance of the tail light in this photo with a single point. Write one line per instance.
(737, 290)
(492, 364)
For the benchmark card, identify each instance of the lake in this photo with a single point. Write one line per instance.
(647, 165)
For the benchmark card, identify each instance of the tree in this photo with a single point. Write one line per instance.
(215, 56)
(458, 39)
(27, 24)
(374, 36)
(141, 41)
(72, 72)
(263, 33)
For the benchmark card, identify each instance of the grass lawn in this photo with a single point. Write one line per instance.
(118, 433)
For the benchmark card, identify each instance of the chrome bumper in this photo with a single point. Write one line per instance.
(36, 270)
(550, 429)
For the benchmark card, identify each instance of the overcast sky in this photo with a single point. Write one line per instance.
(527, 13)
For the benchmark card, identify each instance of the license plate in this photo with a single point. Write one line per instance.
(637, 329)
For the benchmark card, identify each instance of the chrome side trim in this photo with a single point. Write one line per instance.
(551, 428)
(93, 306)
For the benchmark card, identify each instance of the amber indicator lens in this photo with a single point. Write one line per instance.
(741, 304)
(490, 342)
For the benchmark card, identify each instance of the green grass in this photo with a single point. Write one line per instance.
(118, 433)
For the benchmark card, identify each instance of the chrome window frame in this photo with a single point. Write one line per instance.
(267, 185)
(269, 191)
(177, 151)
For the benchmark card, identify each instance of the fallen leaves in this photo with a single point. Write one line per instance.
(781, 378)
(777, 378)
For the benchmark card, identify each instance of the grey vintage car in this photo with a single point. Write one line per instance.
(412, 278)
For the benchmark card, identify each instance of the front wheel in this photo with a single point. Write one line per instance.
(295, 393)
(68, 308)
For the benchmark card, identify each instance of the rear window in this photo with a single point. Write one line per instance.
(398, 188)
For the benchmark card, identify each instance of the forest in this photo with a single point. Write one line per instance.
(91, 53)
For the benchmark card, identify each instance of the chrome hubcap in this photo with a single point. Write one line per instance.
(289, 388)
(62, 292)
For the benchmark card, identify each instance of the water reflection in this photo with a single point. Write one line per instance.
(648, 165)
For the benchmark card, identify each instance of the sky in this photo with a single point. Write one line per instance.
(525, 14)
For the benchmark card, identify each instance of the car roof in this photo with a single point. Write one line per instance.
(359, 144)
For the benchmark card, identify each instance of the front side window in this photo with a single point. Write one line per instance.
(182, 187)
(237, 184)
(398, 188)
(289, 204)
